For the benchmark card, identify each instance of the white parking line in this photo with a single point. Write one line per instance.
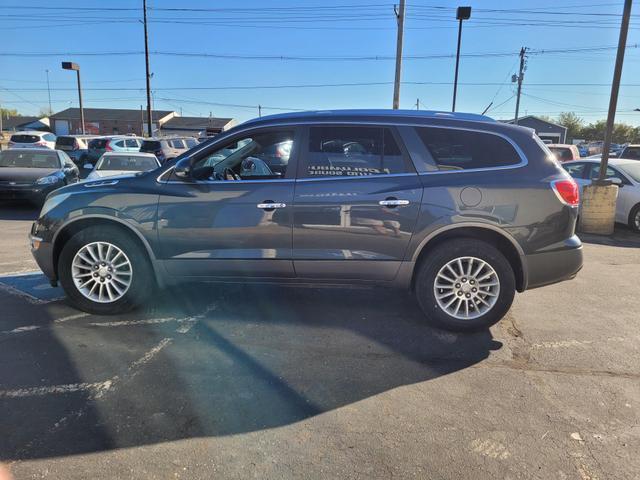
(71, 317)
(96, 389)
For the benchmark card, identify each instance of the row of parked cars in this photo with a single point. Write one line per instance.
(37, 163)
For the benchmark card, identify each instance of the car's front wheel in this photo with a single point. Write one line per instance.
(104, 271)
(465, 285)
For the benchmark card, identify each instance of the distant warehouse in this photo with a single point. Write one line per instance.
(115, 121)
(547, 131)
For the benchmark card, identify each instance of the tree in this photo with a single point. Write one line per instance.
(8, 112)
(573, 123)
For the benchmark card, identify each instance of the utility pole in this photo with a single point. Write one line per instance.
(49, 92)
(259, 110)
(463, 13)
(146, 61)
(520, 78)
(615, 87)
(400, 39)
(417, 104)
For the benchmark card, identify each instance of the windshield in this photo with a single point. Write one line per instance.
(128, 163)
(35, 159)
(632, 170)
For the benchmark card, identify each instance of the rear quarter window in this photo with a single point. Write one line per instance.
(454, 149)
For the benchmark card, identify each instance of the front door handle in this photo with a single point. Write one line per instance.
(269, 205)
(393, 202)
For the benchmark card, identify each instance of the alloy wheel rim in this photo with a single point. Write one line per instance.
(466, 288)
(101, 272)
(637, 220)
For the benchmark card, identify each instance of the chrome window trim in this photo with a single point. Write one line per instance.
(310, 122)
(210, 182)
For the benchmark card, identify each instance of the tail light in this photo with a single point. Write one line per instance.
(40, 144)
(567, 191)
(107, 146)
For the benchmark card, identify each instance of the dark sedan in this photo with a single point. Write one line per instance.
(31, 174)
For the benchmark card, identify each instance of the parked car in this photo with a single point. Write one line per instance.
(32, 139)
(631, 152)
(76, 146)
(31, 174)
(623, 172)
(458, 208)
(166, 149)
(119, 143)
(595, 148)
(564, 152)
(112, 164)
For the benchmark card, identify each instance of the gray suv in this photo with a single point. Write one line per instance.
(166, 149)
(459, 209)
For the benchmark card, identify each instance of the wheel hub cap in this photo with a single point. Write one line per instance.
(466, 288)
(101, 272)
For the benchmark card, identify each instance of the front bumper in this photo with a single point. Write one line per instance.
(35, 193)
(557, 265)
(42, 252)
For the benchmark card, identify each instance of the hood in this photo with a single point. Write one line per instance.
(23, 175)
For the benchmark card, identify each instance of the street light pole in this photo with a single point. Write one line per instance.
(615, 87)
(146, 61)
(399, 42)
(76, 67)
(463, 13)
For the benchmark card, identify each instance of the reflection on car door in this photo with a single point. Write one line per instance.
(356, 203)
(227, 228)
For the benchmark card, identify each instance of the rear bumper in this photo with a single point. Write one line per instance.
(554, 266)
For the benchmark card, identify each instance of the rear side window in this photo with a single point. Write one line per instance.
(98, 143)
(562, 154)
(453, 149)
(631, 152)
(576, 170)
(21, 138)
(191, 142)
(131, 143)
(49, 137)
(176, 144)
(65, 142)
(353, 152)
(150, 146)
(119, 144)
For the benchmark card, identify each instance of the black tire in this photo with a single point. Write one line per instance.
(441, 256)
(633, 225)
(142, 278)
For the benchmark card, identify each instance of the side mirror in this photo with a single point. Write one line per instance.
(616, 181)
(183, 168)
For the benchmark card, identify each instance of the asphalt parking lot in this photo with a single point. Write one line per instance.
(271, 382)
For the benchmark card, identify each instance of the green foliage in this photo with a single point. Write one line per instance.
(8, 112)
(576, 128)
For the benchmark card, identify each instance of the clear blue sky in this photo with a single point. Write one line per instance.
(334, 28)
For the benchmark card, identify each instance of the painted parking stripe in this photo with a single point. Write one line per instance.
(33, 286)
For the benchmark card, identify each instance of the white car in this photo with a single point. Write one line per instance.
(623, 172)
(113, 163)
(33, 139)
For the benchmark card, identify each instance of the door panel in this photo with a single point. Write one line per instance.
(209, 229)
(234, 216)
(356, 222)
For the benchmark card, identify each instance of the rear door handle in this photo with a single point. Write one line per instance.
(393, 202)
(271, 205)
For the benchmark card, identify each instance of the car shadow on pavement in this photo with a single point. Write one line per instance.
(220, 360)
(622, 236)
(14, 210)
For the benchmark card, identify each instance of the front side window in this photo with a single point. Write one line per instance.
(131, 143)
(261, 156)
(454, 149)
(191, 142)
(611, 173)
(338, 151)
(631, 152)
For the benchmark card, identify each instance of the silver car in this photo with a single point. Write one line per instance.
(623, 172)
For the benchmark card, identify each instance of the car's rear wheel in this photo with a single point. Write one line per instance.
(465, 285)
(104, 271)
(634, 218)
